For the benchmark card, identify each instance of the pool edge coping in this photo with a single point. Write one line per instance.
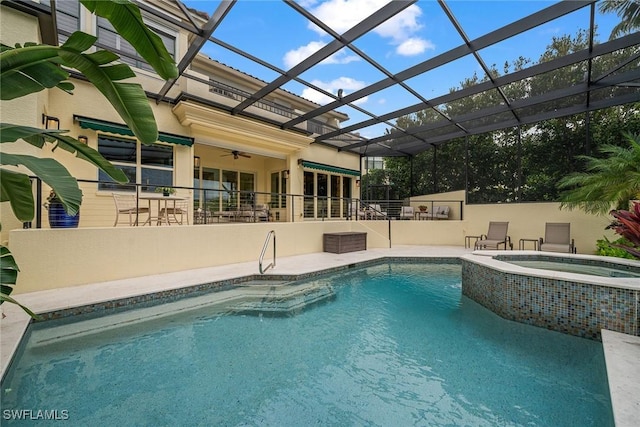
(621, 354)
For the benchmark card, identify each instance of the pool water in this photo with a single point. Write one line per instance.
(592, 270)
(397, 345)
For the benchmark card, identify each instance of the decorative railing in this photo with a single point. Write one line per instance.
(215, 206)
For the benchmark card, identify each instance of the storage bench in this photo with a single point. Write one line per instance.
(348, 241)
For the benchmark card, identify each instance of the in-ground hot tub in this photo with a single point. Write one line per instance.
(595, 293)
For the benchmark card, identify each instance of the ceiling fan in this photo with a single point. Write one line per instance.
(236, 154)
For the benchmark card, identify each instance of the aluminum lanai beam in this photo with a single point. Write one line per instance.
(552, 12)
(166, 17)
(583, 55)
(364, 56)
(476, 55)
(363, 27)
(209, 27)
(370, 60)
(525, 103)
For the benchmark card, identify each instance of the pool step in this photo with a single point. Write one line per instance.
(256, 297)
(283, 299)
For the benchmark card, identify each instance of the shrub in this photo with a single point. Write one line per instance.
(606, 248)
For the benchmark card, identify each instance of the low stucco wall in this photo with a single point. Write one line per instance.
(54, 258)
(526, 221)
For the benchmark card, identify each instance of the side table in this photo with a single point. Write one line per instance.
(467, 241)
(522, 242)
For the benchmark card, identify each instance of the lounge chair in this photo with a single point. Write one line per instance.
(406, 212)
(496, 236)
(557, 238)
(126, 205)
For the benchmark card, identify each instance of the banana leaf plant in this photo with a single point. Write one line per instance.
(31, 68)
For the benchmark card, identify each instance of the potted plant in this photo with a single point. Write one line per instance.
(422, 208)
(166, 191)
(58, 217)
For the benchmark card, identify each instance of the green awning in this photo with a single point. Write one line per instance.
(104, 126)
(329, 168)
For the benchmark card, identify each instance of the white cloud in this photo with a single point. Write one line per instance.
(414, 46)
(294, 57)
(342, 15)
(307, 3)
(347, 84)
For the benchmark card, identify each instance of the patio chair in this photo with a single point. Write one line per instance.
(375, 211)
(355, 210)
(171, 213)
(496, 236)
(245, 213)
(262, 213)
(202, 216)
(406, 212)
(557, 238)
(440, 212)
(126, 205)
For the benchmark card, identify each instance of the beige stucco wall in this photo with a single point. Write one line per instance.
(55, 258)
(526, 221)
(17, 27)
(69, 257)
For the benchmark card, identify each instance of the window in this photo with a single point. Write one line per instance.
(346, 194)
(278, 189)
(247, 186)
(223, 190)
(67, 18)
(149, 165)
(110, 39)
(328, 190)
(309, 193)
(335, 196)
(374, 163)
(208, 197)
(240, 95)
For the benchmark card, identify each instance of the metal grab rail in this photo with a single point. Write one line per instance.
(264, 250)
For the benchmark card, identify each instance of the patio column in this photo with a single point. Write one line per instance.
(296, 186)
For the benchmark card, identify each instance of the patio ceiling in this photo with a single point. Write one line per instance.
(372, 129)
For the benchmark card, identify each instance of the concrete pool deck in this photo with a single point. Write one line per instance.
(622, 352)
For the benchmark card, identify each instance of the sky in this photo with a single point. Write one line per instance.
(274, 32)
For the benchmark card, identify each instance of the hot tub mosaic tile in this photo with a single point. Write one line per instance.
(580, 309)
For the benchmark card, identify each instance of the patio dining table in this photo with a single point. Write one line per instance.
(160, 219)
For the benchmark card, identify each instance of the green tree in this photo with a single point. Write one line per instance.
(627, 10)
(525, 163)
(612, 180)
(30, 68)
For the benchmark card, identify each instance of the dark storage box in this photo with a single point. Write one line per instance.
(348, 241)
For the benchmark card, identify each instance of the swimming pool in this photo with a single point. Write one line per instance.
(389, 344)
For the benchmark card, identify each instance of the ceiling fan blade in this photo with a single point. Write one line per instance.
(236, 154)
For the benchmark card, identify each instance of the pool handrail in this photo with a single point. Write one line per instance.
(264, 250)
